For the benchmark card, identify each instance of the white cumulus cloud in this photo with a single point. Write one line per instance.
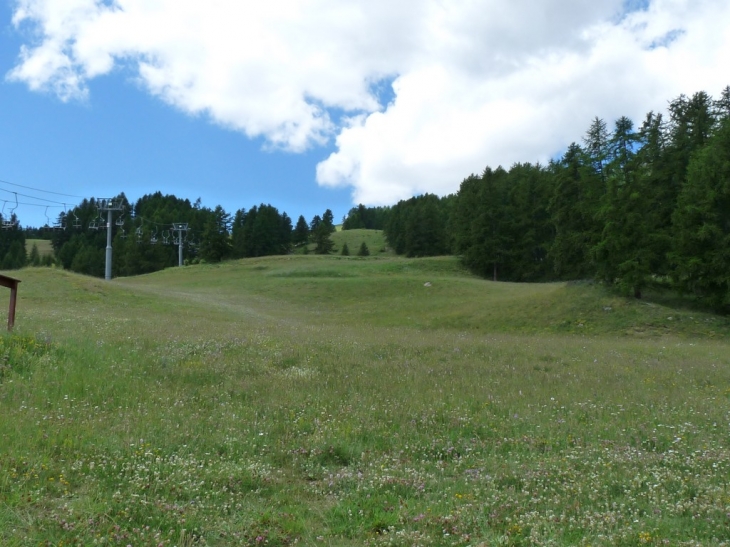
(474, 82)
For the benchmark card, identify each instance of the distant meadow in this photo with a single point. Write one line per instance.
(308, 400)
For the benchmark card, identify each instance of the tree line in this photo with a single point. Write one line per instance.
(144, 240)
(629, 206)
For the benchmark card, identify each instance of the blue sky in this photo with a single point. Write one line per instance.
(124, 140)
(316, 104)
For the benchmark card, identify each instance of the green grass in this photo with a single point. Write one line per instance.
(44, 246)
(343, 401)
(374, 239)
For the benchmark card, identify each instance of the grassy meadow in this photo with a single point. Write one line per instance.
(43, 245)
(342, 401)
(374, 239)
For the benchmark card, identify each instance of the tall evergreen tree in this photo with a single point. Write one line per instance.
(722, 105)
(35, 258)
(655, 178)
(622, 254)
(425, 229)
(573, 207)
(596, 141)
(301, 232)
(370, 218)
(238, 239)
(355, 218)
(528, 222)
(12, 243)
(314, 224)
(328, 219)
(701, 252)
(465, 210)
(321, 236)
(488, 243)
(285, 234)
(216, 245)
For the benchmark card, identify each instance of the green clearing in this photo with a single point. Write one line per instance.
(374, 239)
(343, 401)
(44, 246)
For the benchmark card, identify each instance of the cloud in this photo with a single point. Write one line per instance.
(474, 83)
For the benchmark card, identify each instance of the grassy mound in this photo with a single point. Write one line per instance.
(343, 401)
(428, 293)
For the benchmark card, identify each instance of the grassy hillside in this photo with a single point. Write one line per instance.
(429, 293)
(343, 401)
(374, 239)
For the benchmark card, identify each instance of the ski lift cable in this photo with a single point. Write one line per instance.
(39, 190)
(33, 197)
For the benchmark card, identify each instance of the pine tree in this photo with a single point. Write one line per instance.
(702, 224)
(301, 232)
(656, 180)
(238, 240)
(464, 212)
(363, 251)
(425, 227)
(722, 105)
(355, 218)
(12, 244)
(573, 209)
(489, 238)
(285, 234)
(418, 226)
(328, 219)
(596, 146)
(622, 255)
(314, 224)
(345, 249)
(395, 233)
(323, 241)
(35, 258)
(215, 245)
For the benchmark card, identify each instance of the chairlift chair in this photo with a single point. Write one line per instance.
(9, 224)
(5, 223)
(60, 222)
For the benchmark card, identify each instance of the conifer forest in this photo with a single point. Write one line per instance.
(630, 204)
